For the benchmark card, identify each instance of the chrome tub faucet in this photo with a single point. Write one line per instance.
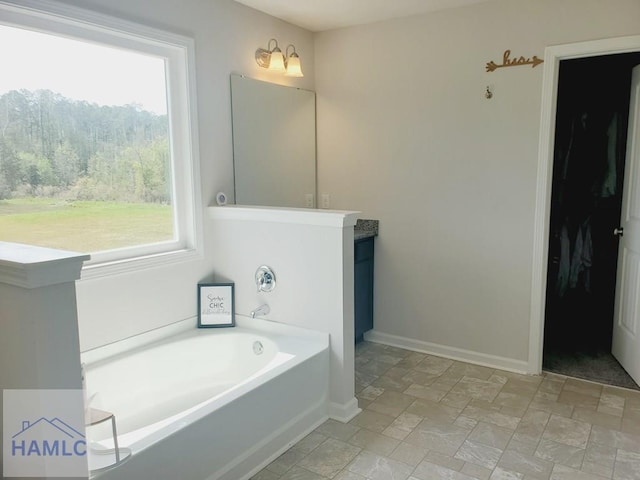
(261, 310)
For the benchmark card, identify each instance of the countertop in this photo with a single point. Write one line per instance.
(365, 229)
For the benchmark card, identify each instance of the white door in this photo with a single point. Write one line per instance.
(626, 323)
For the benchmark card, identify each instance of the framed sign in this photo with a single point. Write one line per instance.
(215, 305)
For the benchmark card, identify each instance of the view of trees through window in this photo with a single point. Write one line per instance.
(80, 170)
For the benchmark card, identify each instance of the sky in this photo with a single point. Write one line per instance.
(80, 70)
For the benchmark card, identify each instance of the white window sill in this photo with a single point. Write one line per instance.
(130, 265)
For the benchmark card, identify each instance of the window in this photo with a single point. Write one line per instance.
(97, 152)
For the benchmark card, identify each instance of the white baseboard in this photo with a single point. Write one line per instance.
(486, 360)
(344, 412)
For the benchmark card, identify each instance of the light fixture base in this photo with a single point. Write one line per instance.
(263, 57)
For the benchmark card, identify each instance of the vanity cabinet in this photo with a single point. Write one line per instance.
(363, 283)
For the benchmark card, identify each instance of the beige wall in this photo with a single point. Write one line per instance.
(226, 36)
(406, 136)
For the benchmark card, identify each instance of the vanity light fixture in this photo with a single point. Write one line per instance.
(293, 63)
(273, 60)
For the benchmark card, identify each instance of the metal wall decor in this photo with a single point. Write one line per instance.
(507, 61)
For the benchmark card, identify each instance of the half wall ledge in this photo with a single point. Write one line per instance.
(300, 216)
(28, 266)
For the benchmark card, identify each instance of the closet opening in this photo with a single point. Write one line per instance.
(592, 117)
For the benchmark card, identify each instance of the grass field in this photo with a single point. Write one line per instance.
(83, 226)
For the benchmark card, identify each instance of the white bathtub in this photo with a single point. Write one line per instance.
(208, 403)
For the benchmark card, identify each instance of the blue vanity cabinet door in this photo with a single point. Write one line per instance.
(363, 286)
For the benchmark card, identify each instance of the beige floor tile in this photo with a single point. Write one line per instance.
(477, 389)
(374, 367)
(420, 378)
(584, 387)
(347, 475)
(479, 454)
(373, 421)
(412, 359)
(338, 430)
(611, 404)
(395, 399)
(370, 393)
(374, 442)
(491, 435)
(391, 383)
(562, 472)
(616, 439)
(402, 426)
(560, 453)
(491, 416)
(431, 471)
(409, 454)
(466, 422)
(385, 409)
(577, 399)
(522, 446)
(566, 431)
(461, 369)
(597, 418)
(444, 383)
(476, 471)
(627, 466)
(329, 458)
(552, 406)
(521, 386)
(308, 443)
(444, 460)
(298, 473)
(441, 438)
(426, 393)
(599, 459)
(509, 399)
(551, 384)
(284, 462)
(434, 411)
(455, 400)
(502, 474)
(434, 365)
(528, 465)
(630, 425)
(376, 467)
(427, 417)
(265, 475)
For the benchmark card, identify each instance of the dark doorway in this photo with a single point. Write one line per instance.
(588, 173)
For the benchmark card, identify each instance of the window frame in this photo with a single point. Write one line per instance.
(178, 52)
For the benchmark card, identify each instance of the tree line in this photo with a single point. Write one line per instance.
(57, 147)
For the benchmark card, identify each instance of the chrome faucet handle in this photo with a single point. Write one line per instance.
(265, 279)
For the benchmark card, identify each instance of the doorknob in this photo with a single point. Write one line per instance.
(618, 231)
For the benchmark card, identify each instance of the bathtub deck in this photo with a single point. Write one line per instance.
(426, 417)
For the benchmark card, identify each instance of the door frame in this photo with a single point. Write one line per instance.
(552, 57)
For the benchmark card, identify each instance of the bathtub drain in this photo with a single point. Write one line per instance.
(257, 348)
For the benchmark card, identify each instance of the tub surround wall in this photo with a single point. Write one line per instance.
(311, 253)
(39, 344)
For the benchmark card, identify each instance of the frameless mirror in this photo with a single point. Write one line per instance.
(274, 144)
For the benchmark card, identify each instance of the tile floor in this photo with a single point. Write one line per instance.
(426, 417)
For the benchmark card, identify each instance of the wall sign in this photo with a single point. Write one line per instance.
(507, 61)
(215, 305)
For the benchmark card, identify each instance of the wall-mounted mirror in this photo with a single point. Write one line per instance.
(274, 144)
